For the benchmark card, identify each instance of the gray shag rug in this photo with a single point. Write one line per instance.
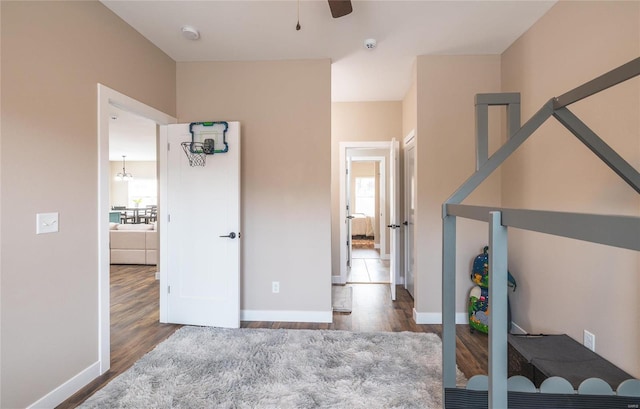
(259, 368)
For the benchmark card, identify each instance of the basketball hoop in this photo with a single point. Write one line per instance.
(195, 152)
(207, 138)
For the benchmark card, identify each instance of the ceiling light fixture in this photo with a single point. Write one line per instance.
(124, 176)
(190, 33)
(370, 43)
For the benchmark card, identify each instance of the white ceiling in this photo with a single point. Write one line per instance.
(242, 30)
(131, 135)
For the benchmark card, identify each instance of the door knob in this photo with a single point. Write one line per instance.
(231, 235)
(394, 226)
(351, 217)
(405, 223)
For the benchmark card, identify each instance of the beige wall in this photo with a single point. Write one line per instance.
(410, 105)
(53, 56)
(567, 286)
(285, 113)
(357, 122)
(445, 158)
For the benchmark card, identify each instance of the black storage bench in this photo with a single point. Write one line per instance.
(539, 357)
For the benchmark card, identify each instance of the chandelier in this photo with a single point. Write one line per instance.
(124, 175)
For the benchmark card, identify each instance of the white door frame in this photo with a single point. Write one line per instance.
(343, 147)
(107, 98)
(382, 195)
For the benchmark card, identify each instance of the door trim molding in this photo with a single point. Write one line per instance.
(108, 97)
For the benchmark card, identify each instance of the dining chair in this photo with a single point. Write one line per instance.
(150, 214)
(125, 216)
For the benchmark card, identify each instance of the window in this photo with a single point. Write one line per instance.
(365, 195)
(143, 192)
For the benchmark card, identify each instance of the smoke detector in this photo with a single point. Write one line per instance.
(190, 33)
(370, 43)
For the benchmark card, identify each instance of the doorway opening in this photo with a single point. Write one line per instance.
(360, 191)
(109, 101)
(369, 261)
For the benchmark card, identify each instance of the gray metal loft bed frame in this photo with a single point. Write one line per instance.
(618, 231)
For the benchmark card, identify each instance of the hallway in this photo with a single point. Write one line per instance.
(367, 267)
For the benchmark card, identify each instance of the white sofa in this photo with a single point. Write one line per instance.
(133, 244)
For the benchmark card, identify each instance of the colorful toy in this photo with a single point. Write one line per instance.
(479, 294)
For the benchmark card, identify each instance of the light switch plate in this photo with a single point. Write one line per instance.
(46, 223)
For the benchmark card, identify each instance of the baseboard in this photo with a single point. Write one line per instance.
(67, 389)
(436, 317)
(517, 329)
(337, 280)
(461, 318)
(287, 316)
(385, 257)
(376, 245)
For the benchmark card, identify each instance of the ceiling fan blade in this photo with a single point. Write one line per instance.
(340, 8)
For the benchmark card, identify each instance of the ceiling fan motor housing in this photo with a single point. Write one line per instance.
(340, 8)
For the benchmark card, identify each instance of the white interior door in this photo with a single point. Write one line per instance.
(203, 233)
(410, 211)
(394, 225)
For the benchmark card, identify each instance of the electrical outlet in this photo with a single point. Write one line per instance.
(589, 340)
(275, 287)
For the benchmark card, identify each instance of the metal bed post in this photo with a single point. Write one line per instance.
(482, 134)
(498, 317)
(448, 301)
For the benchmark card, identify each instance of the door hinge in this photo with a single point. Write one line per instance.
(168, 218)
(168, 146)
(168, 289)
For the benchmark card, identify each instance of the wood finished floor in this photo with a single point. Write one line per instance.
(135, 329)
(135, 326)
(368, 267)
